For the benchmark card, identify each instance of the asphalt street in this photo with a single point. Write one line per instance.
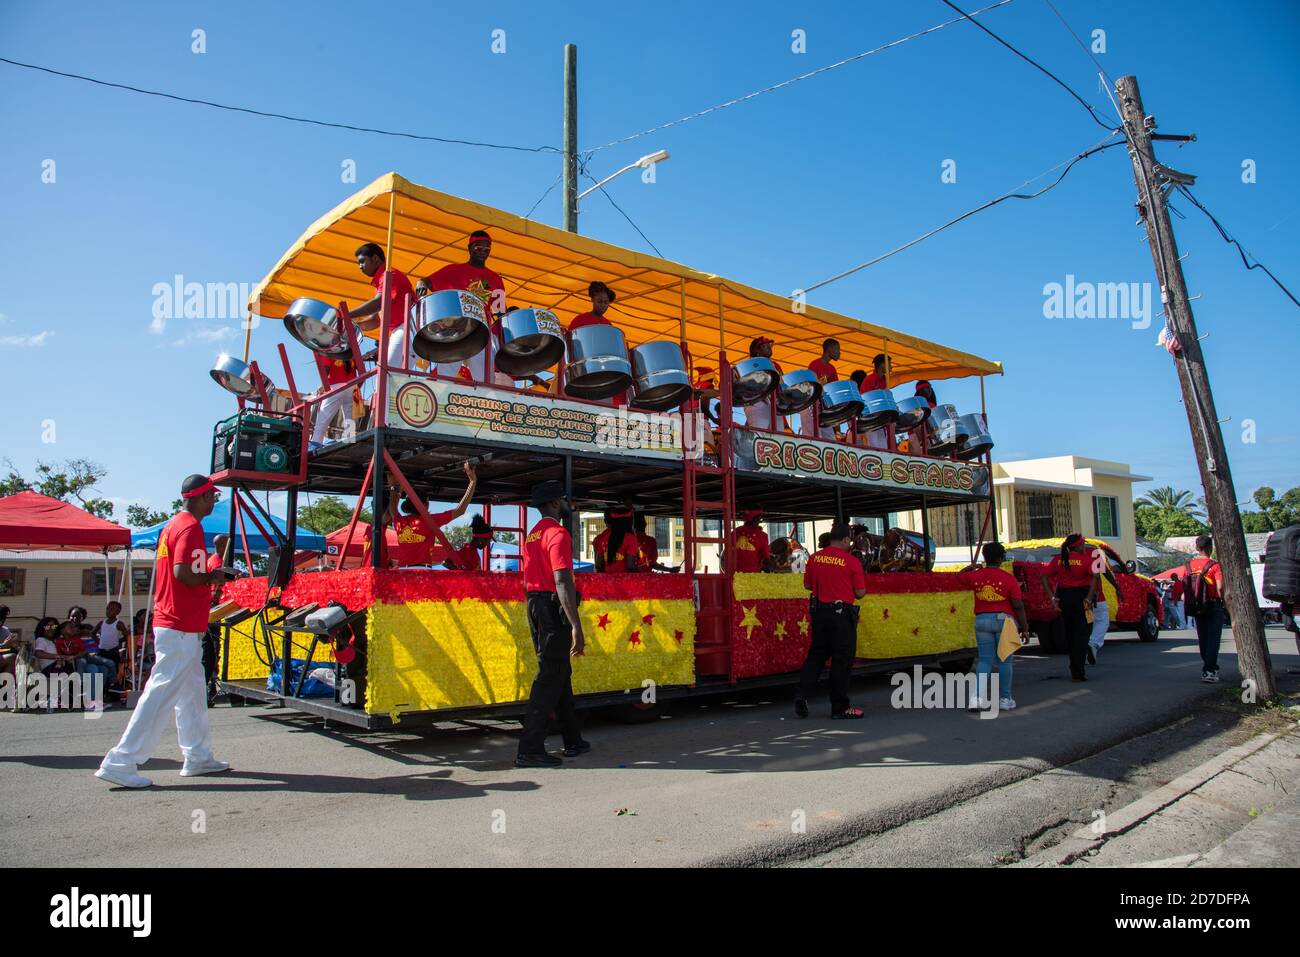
(728, 780)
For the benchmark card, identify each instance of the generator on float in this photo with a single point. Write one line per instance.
(257, 441)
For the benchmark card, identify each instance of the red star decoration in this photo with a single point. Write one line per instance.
(647, 619)
(916, 630)
(952, 609)
(603, 622)
(886, 614)
(635, 638)
(678, 634)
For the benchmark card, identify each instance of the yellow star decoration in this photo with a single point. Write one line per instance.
(750, 621)
(780, 630)
(803, 626)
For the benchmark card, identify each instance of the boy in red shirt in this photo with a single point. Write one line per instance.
(826, 372)
(836, 581)
(997, 594)
(417, 544)
(182, 595)
(474, 276)
(371, 262)
(1205, 592)
(752, 549)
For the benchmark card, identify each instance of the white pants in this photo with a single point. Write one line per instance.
(477, 366)
(1100, 622)
(398, 356)
(759, 415)
(877, 439)
(328, 409)
(175, 685)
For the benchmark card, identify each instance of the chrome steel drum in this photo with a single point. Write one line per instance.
(978, 440)
(946, 435)
(753, 380)
(453, 326)
(233, 375)
(878, 410)
(317, 325)
(841, 401)
(531, 340)
(799, 390)
(659, 374)
(912, 412)
(598, 364)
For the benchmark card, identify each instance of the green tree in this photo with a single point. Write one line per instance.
(327, 514)
(72, 481)
(1157, 523)
(142, 516)
(1274, 512)
(1167, 498)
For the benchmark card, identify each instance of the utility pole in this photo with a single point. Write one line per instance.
(571, 137)
(1207, 439)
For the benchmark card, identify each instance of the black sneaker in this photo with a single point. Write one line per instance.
(541, 760)
(1210, 677)
(582, 747)
(1079, 678)
(801, 707)
(1092, 655)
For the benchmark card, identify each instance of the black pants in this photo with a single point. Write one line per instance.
(210, 640)
(834, 636)
(553, 687)
(1209, 632)
(1077, 629)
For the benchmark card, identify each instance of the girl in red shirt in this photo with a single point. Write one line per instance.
(1077, 574)
(997, 594)
(617, 548)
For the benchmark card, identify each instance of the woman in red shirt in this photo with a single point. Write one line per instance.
(1077, 574)
(997, 594)
(617, 548)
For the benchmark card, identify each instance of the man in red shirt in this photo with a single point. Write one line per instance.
(752, 550)
(826, 372)
(417, 543)
(997, 594)
(181, 601)
(1205, 594)
(370, 260)
(1077, 573)
(556, 628)
(836, 581)
(335, 371)
(474, 276)
(876, 380)
(762, 415)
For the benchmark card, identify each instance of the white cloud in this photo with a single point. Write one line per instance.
(206, 334)
(157, 325)
(24, 342)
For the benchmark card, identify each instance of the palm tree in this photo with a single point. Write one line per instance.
(1178, 500)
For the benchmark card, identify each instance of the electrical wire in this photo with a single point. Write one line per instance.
(625, 215)
(279, 116)
(554, 182)
(1068, 164)
(1241, 251)
(1036, 65)
(795, 79)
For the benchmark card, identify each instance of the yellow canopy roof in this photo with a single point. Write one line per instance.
(550, 268)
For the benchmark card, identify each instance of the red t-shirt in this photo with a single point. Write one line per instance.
(751, 548)
(1213, 577)
(465, 558)
(649, 548)
(1176, 591)
(873, 382)
(825, 371)
(833, 574)
(482, 282)
(179, 606)
(214, 562)
(69, 647)
(335, 371)
(630, 548)
(994, 589)
(547, 549)
(416, 543)
(1078, 571)
(400, 294)
(588, 319)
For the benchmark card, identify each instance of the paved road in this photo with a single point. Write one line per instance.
(722, 780)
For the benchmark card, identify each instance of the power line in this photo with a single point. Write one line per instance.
(554, 182)
(620, 209)
(1227, 238)
(796, 79)
(1068, 164)
(1036, 65)
(279, 116)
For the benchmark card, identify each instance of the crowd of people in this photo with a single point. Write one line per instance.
(70, 645)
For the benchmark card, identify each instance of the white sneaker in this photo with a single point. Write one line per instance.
(123, 778)
(211, 766)
(1007, 704)
(978, 704)
(1210, 677)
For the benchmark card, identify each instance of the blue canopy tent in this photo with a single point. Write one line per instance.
(218, 523)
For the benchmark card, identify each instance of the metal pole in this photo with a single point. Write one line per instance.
(571, 137)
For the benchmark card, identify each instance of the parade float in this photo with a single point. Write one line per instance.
(407, 645)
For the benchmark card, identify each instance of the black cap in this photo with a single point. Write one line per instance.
(545, 492)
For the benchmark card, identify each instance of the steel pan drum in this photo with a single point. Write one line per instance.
(531, 340)
(878, 410)
(598, 364)
(912, 412)
(660, 376)
(317, 325)
(799, 390)
(233, 375)
(841, 401)
(978, 440)
(946, 435)
(453, 326)
(754, 380)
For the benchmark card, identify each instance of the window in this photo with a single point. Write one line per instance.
(1042, 515)
(93, 581)
(1105, 516)
(956, 524)
(663, 532)
(140, 580)
(12, 581)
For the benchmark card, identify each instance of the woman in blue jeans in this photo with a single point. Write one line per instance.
(997, 594)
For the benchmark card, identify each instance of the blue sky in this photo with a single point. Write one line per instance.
(778, 192)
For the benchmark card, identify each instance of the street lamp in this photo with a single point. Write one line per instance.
(645, 162)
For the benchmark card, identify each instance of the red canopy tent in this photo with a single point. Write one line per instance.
(30, 520)
(357, 550)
